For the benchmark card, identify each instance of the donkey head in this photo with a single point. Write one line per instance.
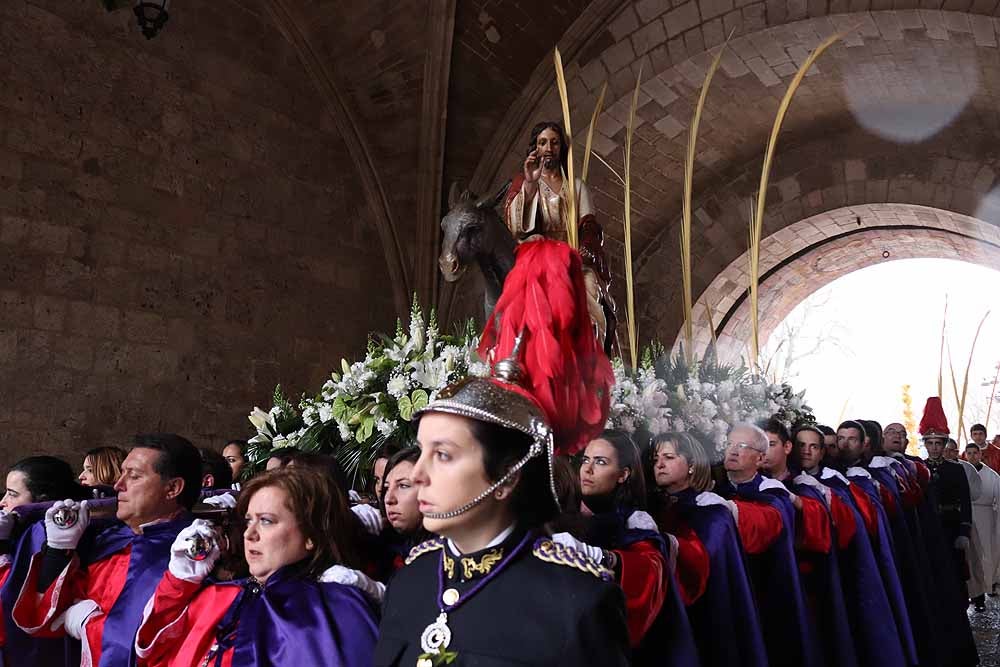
(472, 230)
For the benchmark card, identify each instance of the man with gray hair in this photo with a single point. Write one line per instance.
(789, 634)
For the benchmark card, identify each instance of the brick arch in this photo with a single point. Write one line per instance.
(851, 180)
(806, 255)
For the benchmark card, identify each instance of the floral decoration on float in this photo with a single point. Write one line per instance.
(369, 402)
(703, 397)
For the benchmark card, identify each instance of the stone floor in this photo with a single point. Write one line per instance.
(986, 628)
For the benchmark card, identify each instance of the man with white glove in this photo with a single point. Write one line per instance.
(223, 501)
(706, 498)
(65, 523)
(789, 639)
(639, 520)
(199, 536)
(160, 482)
(339, 574)
(76, 617)
(369, 517)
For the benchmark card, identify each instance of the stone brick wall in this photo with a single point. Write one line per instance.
(180, 227)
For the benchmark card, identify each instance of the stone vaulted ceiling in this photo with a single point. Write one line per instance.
(903, 110)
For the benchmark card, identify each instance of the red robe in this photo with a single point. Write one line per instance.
(644, 582)
(759, 525)
(693, 565)
(991, 456)
(812, 527)
(102, 582)
(179, 624)
(866, 508)
(843, 522)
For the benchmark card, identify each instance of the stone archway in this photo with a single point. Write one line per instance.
(806, 255)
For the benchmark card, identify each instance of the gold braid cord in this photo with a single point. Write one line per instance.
(424, 548)
(553, 552)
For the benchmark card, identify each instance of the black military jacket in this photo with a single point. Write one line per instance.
(949, 493)
(548, 606)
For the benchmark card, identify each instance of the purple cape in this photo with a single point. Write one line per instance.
(913, 571)
(22, 649)
(147, 563)
(868, 605)
(669, 642)
(788, 632)
(728, 600)
(885, 552)
(823, 586)
(297, 622)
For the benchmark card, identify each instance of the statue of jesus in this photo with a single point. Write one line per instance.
(536, 207)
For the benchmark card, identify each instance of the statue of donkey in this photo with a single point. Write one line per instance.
(475, 232)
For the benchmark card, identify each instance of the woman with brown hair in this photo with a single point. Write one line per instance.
(711, 570)
(102, 466)
(281, 614)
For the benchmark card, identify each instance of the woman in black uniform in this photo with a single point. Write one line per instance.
(491, 590)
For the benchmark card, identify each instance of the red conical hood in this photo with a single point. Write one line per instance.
(934, 423)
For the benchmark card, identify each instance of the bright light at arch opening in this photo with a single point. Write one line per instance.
(856, 341)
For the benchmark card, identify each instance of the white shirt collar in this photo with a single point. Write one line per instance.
(504, 534)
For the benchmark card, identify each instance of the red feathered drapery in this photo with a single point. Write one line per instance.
(567, 372)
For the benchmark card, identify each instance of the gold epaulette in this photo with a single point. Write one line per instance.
(553, 552)
(423, 548)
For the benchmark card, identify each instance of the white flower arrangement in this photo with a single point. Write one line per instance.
(639, 400)
(370, 401)
(702, 397)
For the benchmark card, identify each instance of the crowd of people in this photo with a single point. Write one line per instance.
(514, 530)
(818, 546)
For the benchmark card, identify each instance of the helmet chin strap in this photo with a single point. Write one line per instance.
(533, 451)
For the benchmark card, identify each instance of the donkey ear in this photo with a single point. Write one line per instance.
(453, 195)
(495, 200)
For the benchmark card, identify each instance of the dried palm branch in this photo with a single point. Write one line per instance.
(633, 334)
(569, 182)
(757, 220)
(711, 328)
(944, 321)
(590, 132)
(965, 380)
(686, 203)
(610, 168)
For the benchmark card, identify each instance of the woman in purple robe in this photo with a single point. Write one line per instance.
(299, 606)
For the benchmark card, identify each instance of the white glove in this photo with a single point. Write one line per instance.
(76, 616)
(595, 554)
(640, 520)
(226, 500)
(8, 520)
(68, 537)
(370, 517)
(809, 480)
(768, 484)
(354, 496)
(344, 575)
(706, 498)
(962, 543)
(184, 567)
